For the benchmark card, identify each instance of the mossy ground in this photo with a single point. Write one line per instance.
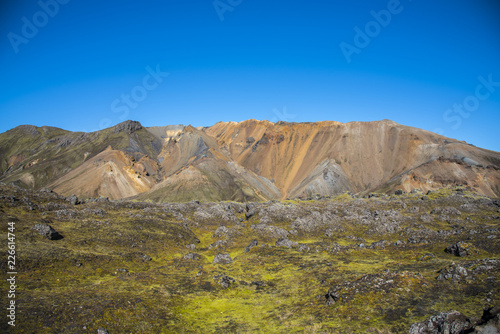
(75, 285)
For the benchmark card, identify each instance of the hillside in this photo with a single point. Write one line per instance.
(246, 161)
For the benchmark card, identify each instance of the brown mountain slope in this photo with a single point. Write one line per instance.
(250, 160)
(111, 173)
(357, 156)
(193, 167)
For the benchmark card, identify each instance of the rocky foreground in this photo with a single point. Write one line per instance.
(406, 263)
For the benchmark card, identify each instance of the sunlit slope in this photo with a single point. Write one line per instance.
(250, 160)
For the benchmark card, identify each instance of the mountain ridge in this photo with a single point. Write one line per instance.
(243, 161)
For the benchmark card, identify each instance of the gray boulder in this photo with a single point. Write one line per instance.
(249, 214)
(47, 231)
(220, 231)
(218, 244)
(222, 259)
(73, 200)
(285, 242)
(192, 256)
(444, 323)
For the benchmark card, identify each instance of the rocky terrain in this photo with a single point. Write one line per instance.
(411, 262)
(247, 161)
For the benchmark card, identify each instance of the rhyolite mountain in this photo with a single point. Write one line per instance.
(245, 161)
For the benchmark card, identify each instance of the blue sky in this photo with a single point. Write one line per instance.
(86, 65)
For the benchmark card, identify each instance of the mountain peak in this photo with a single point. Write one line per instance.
(127, 127)
(26, 128)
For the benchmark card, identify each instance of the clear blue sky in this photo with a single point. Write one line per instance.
(275, 60)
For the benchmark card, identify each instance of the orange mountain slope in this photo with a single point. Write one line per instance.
(250, 160)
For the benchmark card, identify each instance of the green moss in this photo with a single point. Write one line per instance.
(74, 282)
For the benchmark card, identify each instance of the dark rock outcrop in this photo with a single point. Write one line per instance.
(47, 231)
(456, 323)
(457, 249)
(249, 214)
(224, 281)
(454, 273)
(490, 321)
(270, 231)
(127, 127)
(444, 323)
(332, 296)
(251, 245)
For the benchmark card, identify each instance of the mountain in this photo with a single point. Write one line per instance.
(246, 161)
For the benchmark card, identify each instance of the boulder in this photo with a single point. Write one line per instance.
(218, 244)
(222, 259)
(285, 242)
(47, 231)
(192, 256)
(332, 296)
(453, 272)
(251, 245)
(444, 323)
(304, 248)
(249, 214)
(220, 231)
(73, 200)
(490, 321)
(224, 281)
(269, 230)
(457, 249)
